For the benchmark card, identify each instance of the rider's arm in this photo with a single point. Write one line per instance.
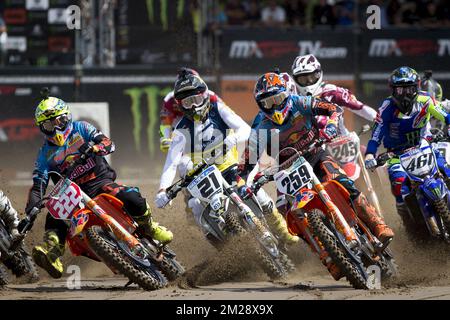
(102, 144)
(325, 108)
(366, 112)
(437, 111)
(173, 158)
(166, 116)
(240, 127)
(379, 129)
(40, 178)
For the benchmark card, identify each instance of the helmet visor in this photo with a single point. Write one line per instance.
(405, 91)
(275, 100)
(193, 101)
(307, 79)
(60, 122)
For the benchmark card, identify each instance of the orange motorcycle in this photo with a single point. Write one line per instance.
(101, 230)
(324, 216)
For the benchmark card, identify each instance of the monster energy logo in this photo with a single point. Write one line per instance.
(153, 95)
(163, 4)
(412, 137)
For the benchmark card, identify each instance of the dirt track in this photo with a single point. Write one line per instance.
(425, 272)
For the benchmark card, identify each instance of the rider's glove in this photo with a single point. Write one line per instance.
(164, 144)
(329, 132)
(162, 199)
(370, 162)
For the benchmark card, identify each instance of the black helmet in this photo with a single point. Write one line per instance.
(431, 86)
(191, 94)
(404, 82)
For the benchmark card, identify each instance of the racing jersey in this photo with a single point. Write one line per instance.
(399, 131)
(171, 114)
(299, 131)
(194, 139)
(90, 176)
(344, 98)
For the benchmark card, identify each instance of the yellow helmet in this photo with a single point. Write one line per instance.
(54, 119)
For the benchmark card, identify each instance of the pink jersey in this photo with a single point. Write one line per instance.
(344, 98)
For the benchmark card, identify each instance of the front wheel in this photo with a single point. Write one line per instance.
(331, 245)
(106, 248)
(443, 211)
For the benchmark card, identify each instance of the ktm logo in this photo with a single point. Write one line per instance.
(273, 80)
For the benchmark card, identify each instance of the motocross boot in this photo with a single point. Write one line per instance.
(152, 229)
(369, 215)
(278, 224)
(47, 256)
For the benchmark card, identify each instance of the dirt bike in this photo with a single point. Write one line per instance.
(428, 202)
(324, 216)
(15, 256)
(100, 229)
(345, 149)
(226, 215)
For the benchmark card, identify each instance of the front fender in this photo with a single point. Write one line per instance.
(302, 199)
(434, 189)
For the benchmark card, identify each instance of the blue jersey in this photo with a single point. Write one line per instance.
(58, 158)
(398, 131)
(299, 130)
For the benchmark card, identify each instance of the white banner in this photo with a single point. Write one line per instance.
(36, 4)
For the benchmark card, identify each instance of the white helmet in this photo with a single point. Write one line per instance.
(307, 74)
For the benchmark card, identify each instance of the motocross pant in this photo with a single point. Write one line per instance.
(7, 213)
(134, 204)
(400, 184)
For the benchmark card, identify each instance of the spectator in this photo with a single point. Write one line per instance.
(253, 13)
(393, 9)
(273, 14)
(323, 14)
(235, 12)
(443, 13)
(295, 12)
(345, 14)
(3, 38)
(429, 16)
(409, 13)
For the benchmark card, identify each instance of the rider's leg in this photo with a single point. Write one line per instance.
(137, 206)
(274, 218)
(9, 215)
(47, 255)
(328, 169)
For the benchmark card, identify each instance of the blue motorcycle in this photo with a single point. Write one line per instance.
(429, 198)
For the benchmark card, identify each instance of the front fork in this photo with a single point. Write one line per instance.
(432, 190)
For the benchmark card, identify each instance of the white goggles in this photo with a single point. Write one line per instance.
(193, 101)
(277, 99)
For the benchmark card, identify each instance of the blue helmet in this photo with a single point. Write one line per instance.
(404, 82)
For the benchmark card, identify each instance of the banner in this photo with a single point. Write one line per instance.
(387, 50)
(259, 50)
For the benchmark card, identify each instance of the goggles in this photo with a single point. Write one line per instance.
(277, 99)
(193, 101)
(59, 122)
(405, 91)
(307, 79)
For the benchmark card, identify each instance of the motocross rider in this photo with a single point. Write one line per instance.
(206, 120)
(294, 118)
(308, 75)
(65, 141)
(434, 89)
(403, 121)
(9, 216)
